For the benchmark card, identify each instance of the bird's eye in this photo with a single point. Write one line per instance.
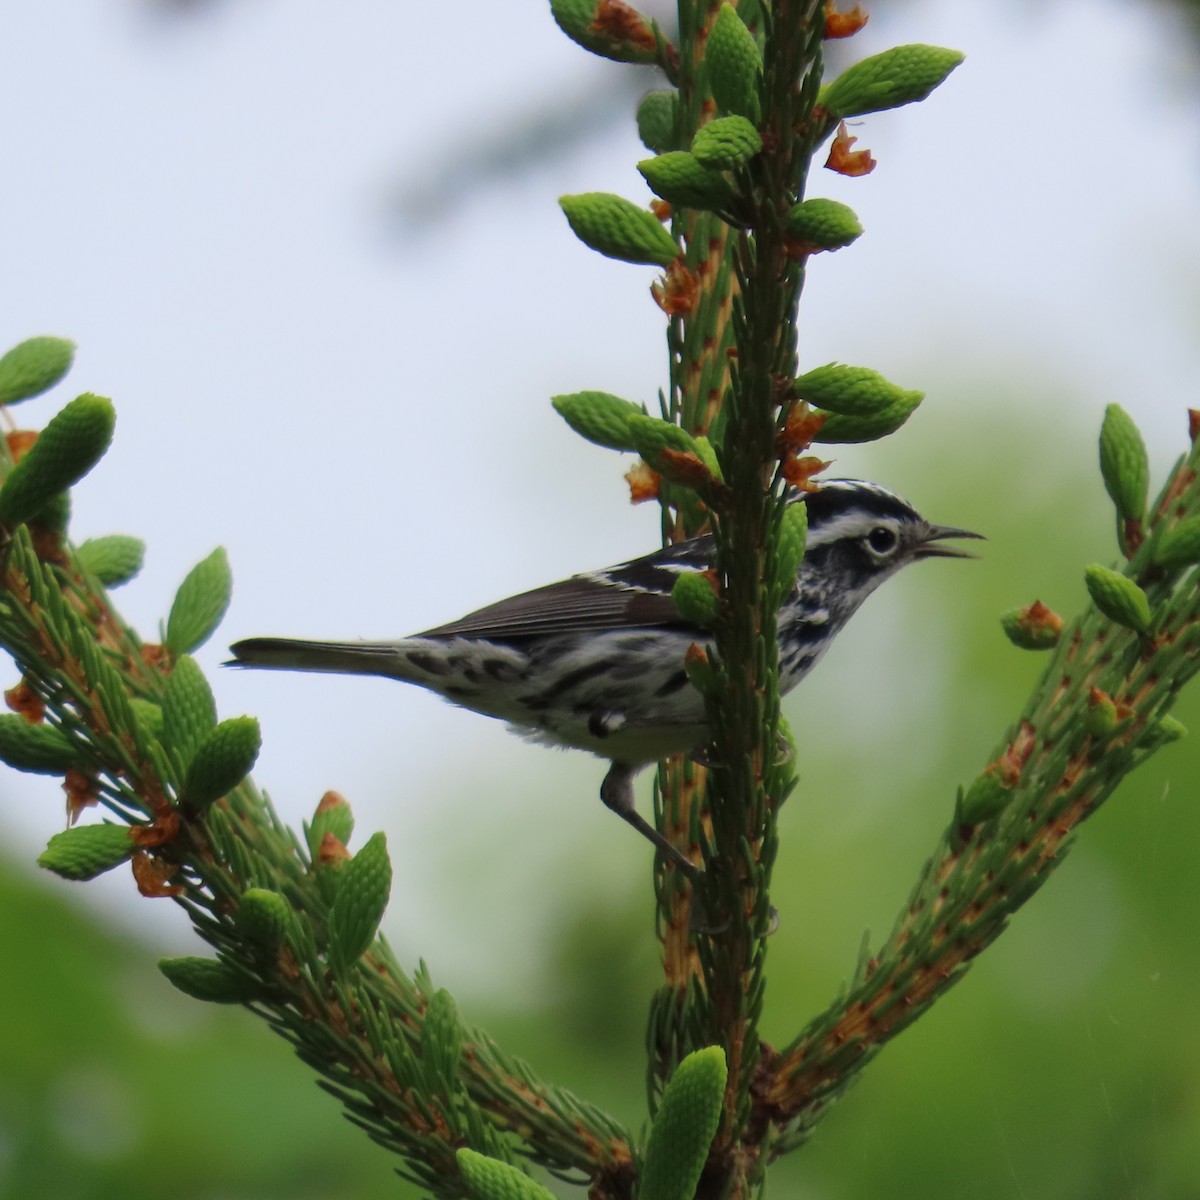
(882, 540)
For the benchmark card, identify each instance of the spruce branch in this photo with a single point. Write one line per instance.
(1100, 709)
(293, 922)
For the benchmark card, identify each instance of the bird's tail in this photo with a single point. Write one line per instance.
(340, 658)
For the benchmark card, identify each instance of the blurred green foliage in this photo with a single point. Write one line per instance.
(112, 1084)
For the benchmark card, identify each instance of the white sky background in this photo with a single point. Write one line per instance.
(362, 418)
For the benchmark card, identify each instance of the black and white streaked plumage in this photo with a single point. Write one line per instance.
(596, 662)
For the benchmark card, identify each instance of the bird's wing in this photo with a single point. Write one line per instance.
(632, 595)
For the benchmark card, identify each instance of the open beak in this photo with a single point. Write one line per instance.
(931, 547)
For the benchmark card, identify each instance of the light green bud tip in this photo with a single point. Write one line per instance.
(679, 178)
(1124, 463)
(113, 560)
(86, 851)
(684, 1127)
(987, 797)
(726, 144)
(618, 228)
(695, 599)
(207, 979)
(632, 43)
(199, 604)
(1118, 597)
(33, 367)
(849, 391)
(1179, 547)
(263, 917)
(39, 749)
(491, 1179)
(1102, 716)
(599, 417)
(824, 224)
(1166, 730)
(734, 65)
(789, 549)
(842, 427)
(72, 443)
(189, 712)
(222, 760)
(148, 715)
(656, 118)
(895, 77)
(363, 887)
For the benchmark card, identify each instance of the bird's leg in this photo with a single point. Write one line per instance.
(617, 793)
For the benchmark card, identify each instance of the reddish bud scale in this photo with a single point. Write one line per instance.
(844, 160)
(843, 24)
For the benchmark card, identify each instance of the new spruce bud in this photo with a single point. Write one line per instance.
(86, 851)
(207, 979)
(491, 1179)
(1033, 627)
(222, 760)
(734, 65)
(895, 77)
(363, 887)
(841, 427)
(599, 417)
(1124, 463)
(39, 749)
(987, 797)
(679, 178)
(630, 40)
(726, 144)
(1179, 547)
(822, 224)
(333, 816)
(149, 717)
(199, 604)
(707, 679)
(651, 436)
(695, 598)
(1118, 597)
(263, 917)
(1102, 715)
(1164, 731)
(189, 712)
(113, 560)
(684, 1127)
(848, 391)
(657, 115)
(617, 228)
(34, 366)
(706, 452)
(55, 514)
(72, 443)
(789, 549)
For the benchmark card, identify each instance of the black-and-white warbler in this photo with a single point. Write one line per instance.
(596, 662)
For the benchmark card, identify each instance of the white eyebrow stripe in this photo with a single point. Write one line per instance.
(849, 524)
